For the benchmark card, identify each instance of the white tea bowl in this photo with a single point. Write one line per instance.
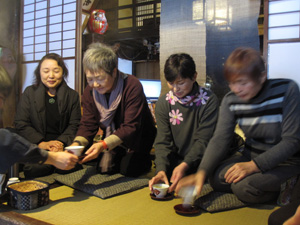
(160, 190)
(76, 150)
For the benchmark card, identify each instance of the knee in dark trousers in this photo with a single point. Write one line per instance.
(36, 170)
(250, 194)
(135, 164)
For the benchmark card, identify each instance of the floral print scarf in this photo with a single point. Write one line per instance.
(198, 98)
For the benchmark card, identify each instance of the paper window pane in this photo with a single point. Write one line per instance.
(70, 7)
(40, 47)
(283, 61)
(28, 57)
(284, 19)
(41, 22)
(41, 5)
(283, 33)
(69, 1)
(28, 41)
(68, 52)
(27, 2)
(56, 19)
(40, 39)
(28, 16)
(284, 6)
(55, 37)
(54, 45)
(40, 30)
(29, 24)
(39, 55)
(28, 8)
(57, 52)
(69, 44)
(55, 10)
(28, 49)
(28, 33)
(69, 16)
(69, 34)
(41, 14)
(69, 25)
(55, 28)
(55, 2)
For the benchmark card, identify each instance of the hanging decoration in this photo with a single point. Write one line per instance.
(98, 22)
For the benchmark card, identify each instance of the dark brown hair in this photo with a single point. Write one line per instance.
(244, 61)
(181, 65)
(58, 59)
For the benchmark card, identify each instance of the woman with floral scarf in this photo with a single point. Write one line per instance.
(186, 118)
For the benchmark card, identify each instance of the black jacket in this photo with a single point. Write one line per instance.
(30, 119)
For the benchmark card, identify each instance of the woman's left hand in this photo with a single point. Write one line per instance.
(53, 146)
(57, 146)
(93, 152)
(239, 171)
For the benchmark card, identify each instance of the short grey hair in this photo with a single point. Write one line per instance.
(99, 56)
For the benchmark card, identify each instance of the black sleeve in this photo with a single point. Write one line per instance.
(14, 148)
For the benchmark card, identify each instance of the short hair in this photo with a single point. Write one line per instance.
(99, 57)
(244, 61)
(180, 64)
(58, 59)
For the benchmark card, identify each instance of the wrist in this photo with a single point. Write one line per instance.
(50, 159)
(184, 166)
(161, 172)
(254, 166)
(40, 144)
(78, 142)
(104, 145)
(201, 174)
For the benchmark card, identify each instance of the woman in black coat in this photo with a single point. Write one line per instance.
(49, 111)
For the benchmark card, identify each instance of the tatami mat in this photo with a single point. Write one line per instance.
(71, 207)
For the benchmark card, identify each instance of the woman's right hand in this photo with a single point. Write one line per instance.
(160, 176)
(197, 180)
(93, 152)
(62, 160)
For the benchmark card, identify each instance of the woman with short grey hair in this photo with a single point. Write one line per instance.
(115, 103)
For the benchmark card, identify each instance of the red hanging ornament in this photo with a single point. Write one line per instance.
(98, 22)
